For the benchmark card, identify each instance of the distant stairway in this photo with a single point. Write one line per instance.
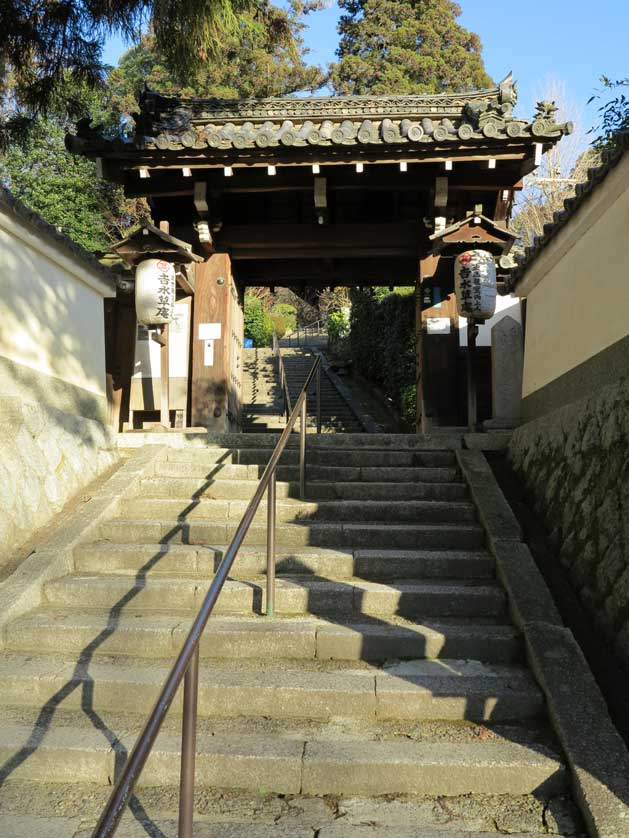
(336, 414)
(262, 399)
(391, 667)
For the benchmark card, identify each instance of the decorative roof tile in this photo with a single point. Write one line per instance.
(448, 119)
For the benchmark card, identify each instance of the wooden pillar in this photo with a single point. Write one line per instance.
(427, 269)
(209, 383)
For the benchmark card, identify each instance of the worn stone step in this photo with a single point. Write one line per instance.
(105, 557)
(185, 487)
(394, 442)
(384, 491)
(421, 690)
(335, 535)
(146, 635)
(291, 763)
(296, 595)
(314, 472)
(291, 510)
(322, 456)
(191, 487)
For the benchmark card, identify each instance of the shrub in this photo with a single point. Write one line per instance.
(279, 325)
(288, 315)
(258, 323)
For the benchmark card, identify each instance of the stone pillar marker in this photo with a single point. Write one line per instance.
(507, 364)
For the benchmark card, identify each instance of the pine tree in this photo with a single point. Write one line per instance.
(45, 45)
(406, 47)
(253, 64)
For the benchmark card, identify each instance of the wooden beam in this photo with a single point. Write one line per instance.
(465, 176)
(307, 241)
(209, 385)
(427, 269)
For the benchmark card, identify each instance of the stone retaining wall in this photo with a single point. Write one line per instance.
(46, 457)
(574, 462)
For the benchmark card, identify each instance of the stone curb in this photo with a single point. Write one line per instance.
(368, 423)
(22, 591)
(495, 513)
(595, 752)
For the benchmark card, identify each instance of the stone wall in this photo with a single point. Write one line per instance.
(46, 457)
(574, 463)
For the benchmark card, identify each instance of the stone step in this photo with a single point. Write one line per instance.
(333, 474)
(421, 690)
(380, 442)
(104, 557)
(335, 535)
(298, 595)
(290, 763)
(146, 635)
(292, 510)
(189, 487)
(290, 456)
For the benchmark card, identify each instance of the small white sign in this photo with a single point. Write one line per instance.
(209, 331)
(438, 325)
(208, 353)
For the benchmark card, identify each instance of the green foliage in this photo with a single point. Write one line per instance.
(258, 322)
(64, 188)
(409, 403)
(279, 325)
(406, 47)
(382, 340)
(287, 314)
(255, 62)
(51, 50)
(338, 325)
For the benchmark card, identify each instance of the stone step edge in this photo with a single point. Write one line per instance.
(366, 694)
(296, 764)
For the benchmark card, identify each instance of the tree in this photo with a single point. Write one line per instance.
(51, 48)
(614, 113)
(252, 64)
(65, 189)
(405, 47)
(562, 167)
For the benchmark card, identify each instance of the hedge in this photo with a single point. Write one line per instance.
(382, 340)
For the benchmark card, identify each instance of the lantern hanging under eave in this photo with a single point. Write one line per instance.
(155, 289)
(475, 284)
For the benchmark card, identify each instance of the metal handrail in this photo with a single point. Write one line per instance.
(288, 409)
(314, 328)
(186, 666)
(277, 351)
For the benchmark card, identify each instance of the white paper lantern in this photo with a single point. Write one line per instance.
(475, 284)
(155, 292)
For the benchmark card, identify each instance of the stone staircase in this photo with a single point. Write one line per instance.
(336, 414)
(261, 399)
(390, 669)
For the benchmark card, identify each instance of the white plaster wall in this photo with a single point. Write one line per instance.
(507, 305)
(578, 288)
(51, 308)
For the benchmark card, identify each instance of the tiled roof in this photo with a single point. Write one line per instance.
(171, 124)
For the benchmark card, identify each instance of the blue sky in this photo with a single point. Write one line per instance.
(567, 41)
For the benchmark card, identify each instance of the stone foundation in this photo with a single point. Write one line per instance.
(46, 457)
(574, 462)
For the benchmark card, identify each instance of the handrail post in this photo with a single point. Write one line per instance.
(319, 398)
(188, 746)
(302, 448)
(270, 546)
